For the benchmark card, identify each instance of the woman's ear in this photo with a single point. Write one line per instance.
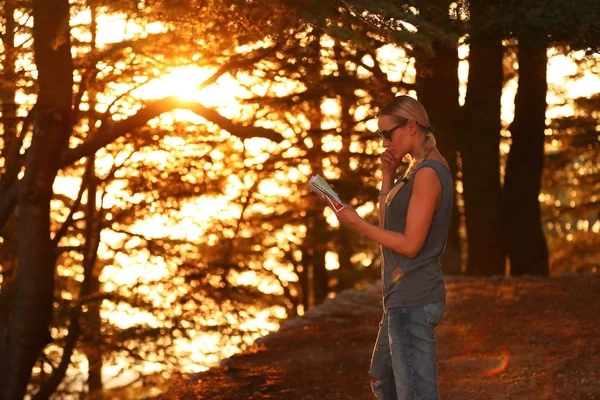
(412, 126)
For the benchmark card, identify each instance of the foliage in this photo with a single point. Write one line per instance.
(199, 271)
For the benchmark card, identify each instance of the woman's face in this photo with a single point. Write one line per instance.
(396, 139)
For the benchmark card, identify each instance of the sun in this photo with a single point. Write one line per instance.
(184, 83)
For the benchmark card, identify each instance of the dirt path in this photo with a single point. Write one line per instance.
(499, 339)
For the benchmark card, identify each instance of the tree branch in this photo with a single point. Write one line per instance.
(112, 132)
(74, 207)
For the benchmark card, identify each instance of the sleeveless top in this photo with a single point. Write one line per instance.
(422, 282)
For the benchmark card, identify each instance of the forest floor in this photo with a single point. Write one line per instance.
(500, 338)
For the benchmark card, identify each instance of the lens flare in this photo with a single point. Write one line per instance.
(502, 364)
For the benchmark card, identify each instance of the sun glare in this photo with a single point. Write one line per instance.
(184, 83)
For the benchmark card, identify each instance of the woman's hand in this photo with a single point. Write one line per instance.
(348, 216)
(389, 162)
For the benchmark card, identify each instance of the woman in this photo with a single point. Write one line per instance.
(414, 219)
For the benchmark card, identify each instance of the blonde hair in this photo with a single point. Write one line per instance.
(401, 109)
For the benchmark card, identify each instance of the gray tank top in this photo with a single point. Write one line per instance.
(422, 283)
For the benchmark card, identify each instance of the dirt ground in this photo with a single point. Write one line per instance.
(526, 338)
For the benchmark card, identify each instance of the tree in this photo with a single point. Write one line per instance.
(526, 243)
(58, 120)
(437, 86)
(480, 143)
(31, 312)
(32, 309)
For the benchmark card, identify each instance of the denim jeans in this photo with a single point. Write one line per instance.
(403, 363)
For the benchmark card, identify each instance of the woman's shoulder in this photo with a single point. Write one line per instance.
(433, 163)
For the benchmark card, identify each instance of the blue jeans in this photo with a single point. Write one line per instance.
(403, 363)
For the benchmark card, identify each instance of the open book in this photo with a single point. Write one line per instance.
(320, 186)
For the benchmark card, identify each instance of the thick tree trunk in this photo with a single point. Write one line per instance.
(9, 153)
(480, 153)
(32, 310)
(526, 243)
(437, 87)
(9, 88)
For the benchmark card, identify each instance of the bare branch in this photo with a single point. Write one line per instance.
(239, 61)
(64, 249)
(111, 132)
(63, 229)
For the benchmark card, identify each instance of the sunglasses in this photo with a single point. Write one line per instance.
(387, 134)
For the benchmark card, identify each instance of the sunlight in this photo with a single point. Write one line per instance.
(563, 74)
(128, 265)
(184, 83)
(113, 28)
(332, 261)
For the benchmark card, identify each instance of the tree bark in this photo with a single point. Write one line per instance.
(92, 320)
(525, 240)
(437, 87)
(305, 291)
(317, 226)
(319, 272)
(9, 89)
(480, 152)
(32, 309)
(9, 153)
(347, 190)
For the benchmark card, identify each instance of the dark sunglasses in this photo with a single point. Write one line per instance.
(387, 134)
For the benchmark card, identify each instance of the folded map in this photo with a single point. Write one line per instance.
(320, 186)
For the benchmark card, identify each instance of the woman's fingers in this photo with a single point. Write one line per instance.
(388, 156)
(388, 159)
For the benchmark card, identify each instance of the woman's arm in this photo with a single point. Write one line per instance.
(425, 194)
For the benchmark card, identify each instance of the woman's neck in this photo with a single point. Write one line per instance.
(418, 152)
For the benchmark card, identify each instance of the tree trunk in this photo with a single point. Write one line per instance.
(437, 87)
(348, 189)
(480, 153)
(94, 350)
(32, 309)
(319, 272)
(525, 240)
(303, 278)
(9, 88)
(93, 321)
(316, 239)
(8, 152)
(317, 225)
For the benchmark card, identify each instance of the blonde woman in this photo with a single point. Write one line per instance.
(414, 219)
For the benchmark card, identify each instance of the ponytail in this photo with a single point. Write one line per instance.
(429, 145)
